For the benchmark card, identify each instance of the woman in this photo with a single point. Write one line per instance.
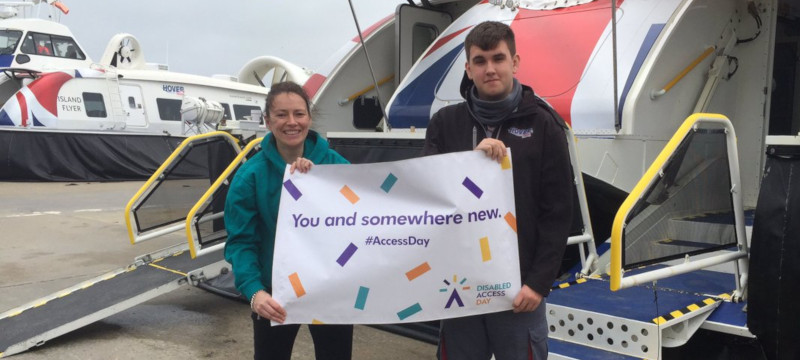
(251, 213)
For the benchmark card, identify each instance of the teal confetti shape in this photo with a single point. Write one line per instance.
(411, 310)
(361, 299)
(389, 182)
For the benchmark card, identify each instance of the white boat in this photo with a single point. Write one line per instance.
(67, 117)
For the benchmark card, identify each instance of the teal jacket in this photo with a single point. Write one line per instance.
(251, 210)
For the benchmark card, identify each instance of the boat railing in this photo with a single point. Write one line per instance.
(160, 206)
(684, 193)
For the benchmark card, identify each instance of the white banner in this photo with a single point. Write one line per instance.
(405, 241)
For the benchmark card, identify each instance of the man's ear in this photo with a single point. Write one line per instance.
(467, 70)
(516, 60)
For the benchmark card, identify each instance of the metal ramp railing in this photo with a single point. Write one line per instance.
(696, 173)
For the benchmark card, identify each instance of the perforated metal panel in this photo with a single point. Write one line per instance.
(620, 335)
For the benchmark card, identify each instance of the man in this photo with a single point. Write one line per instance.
(500, 112)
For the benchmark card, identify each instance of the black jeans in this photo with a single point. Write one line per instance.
(331, 342)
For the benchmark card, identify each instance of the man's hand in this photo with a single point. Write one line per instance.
(265, 306)
(302, 165)
(493, 148)
(527, 300)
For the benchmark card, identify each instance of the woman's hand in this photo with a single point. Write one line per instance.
(301, 164)
(493, 148)
(265, 306)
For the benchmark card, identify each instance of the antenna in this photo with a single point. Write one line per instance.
(617, 119)
(369, 63)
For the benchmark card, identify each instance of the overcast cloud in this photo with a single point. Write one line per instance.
(204, 37)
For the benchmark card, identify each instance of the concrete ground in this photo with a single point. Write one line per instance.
(55, 235)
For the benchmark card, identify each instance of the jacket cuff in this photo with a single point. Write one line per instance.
(539, 288)
(250, 290)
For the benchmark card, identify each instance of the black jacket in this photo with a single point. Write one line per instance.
(543, 181)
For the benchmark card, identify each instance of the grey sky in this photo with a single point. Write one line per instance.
(204, 37)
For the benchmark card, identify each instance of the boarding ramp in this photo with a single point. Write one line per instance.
(684, 217)
(158, 208)
(149, 276)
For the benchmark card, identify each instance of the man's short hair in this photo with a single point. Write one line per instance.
(488, 34)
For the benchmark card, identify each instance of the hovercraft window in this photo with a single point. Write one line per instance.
(8, 41)
(244, 112)
(169, 109)
(95, 107)
(51, 45)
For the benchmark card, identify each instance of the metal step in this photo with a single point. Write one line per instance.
(639, 321)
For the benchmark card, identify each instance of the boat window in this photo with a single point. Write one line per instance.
(131, 102)
(27, 45)
(9, 40)
(169, 109)
(51, 45)
(227, 114)
(43, 44)
(93, 102)
(245, 110)
(66, 48)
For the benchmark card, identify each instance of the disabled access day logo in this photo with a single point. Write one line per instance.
(454, 296)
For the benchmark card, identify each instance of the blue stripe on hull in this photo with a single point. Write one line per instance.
(412, 106)
(5, 120)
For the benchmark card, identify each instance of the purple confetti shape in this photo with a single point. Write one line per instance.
(347, 254)
(296, 194)
(472, 187)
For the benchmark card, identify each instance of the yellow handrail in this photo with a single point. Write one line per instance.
(217, 183)
(160, 171)
(638, 192)
(366, 90)
(697, 61)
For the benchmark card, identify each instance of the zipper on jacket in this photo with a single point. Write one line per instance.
(495, 135)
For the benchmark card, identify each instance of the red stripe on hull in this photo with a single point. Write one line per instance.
(313, 84)
(445, 39)
(555, 47)
(366, 33)
(23, 108)
(46, 89)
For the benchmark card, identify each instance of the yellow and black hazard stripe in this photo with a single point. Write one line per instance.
(678, 313)
(575, 282)
(568, 284)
